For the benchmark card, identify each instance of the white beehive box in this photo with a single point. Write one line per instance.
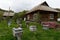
(32, 28)
(58, 19)
(45, 27)
(17, 31)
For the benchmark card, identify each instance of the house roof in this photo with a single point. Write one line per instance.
(8, 14)
(44, 6)
(44, 3)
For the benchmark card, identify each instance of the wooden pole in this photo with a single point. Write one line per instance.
(18, 38)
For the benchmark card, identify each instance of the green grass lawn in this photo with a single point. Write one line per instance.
(40, 34)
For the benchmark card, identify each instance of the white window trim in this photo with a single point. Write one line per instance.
(28, 17)
(34, 16)
(51, 16)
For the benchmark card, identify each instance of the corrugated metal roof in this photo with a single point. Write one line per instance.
(42, 7)
(8, 14)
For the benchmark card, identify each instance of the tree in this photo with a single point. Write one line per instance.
(59, 12)
(36, 17)
(1, 15)
(19, 15)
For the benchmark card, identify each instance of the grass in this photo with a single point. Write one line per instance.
(40, 34)
(5, 31)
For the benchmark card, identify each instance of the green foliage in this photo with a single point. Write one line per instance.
(5, 31)
(58, 15)
(1, 14)
(37, 17)
(15, 16)
(40, 34)
(21, 14)
(59, 12)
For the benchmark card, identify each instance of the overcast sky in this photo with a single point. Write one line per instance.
(20, 5)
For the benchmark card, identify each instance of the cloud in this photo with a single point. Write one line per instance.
(24, 4)
(54, 3)
(19, 5)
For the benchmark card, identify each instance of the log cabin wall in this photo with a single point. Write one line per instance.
(44, 16)
(29, 17)
(55, 16)
(51, 16)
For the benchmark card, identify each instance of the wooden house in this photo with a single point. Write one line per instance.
(45, 13)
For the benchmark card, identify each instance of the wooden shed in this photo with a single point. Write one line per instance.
(8, 14)
(45, 12)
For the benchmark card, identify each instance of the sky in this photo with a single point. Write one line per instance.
(20, 5)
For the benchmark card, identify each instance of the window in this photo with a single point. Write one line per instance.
(28, 17)
(51, 16)
(35, 16)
